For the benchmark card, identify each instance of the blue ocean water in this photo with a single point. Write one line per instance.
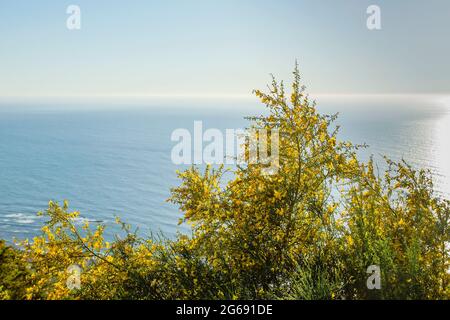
(117, 161)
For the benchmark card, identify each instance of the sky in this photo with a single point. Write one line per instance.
(229, 48)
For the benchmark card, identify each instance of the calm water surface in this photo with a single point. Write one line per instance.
(117, 162)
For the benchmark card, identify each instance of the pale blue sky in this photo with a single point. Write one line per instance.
(222, 47)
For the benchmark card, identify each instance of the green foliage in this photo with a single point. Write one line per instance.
(309, 230)
(12, 273)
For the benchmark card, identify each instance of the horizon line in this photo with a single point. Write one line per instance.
(232, 96)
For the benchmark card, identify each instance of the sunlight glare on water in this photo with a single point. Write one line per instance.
(441, 150)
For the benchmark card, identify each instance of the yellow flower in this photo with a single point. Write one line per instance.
(350, 240)
(277, 195)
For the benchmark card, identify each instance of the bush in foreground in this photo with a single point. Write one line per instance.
(310, 230)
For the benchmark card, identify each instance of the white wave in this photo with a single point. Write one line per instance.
(21, 218)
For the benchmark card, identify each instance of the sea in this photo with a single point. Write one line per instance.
(112, 158)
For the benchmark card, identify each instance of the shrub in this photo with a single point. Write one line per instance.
(309, 230)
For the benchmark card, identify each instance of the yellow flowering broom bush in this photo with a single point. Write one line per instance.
(308, 230)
